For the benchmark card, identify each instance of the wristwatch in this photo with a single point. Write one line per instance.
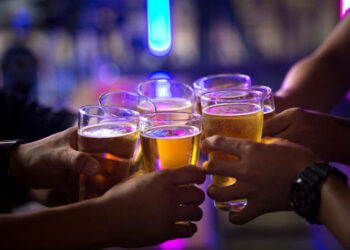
(7, 182)
(305, 193)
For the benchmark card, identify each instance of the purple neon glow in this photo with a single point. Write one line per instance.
(348, 95)
(344, 7)
(177, 244)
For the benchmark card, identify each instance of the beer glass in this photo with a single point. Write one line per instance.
(217, 82)
(236, 113)
(170, 140)
(129, 100)
(269, 104)
(168, 95)
(110, 136)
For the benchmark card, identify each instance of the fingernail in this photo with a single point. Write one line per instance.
(205, 165)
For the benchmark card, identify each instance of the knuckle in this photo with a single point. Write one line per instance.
(298, 112)
(217, 140)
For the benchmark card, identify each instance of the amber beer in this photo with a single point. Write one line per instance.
(112, 145)
(237, 120)
(170, 146)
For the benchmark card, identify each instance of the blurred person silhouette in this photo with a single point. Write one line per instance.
(19, 70)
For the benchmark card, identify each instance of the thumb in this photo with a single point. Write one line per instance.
(277, 124)
(80, 162)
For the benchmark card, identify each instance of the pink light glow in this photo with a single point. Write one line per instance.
(344, 7)
(177, 244)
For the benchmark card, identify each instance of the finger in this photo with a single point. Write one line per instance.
(239, 190)
(186, 175)
(225, 144)
(190, 195)
(188, 213)
(250, 212)
(79, 162)
(73, 137)
(275, 125)
(184, 230)
(224, 168)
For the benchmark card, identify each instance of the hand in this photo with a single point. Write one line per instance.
(51, 162)
(143, 211)
(325, 135)
(264, 173)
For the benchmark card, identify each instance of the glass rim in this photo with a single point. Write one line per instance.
(268, 90)
(210, 77)
(83, 111)
(187, 87)
(108, 93)
(151, 116)
(259, 94)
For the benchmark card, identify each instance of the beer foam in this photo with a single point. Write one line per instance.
(106, 130)
(232, 109)
(171, 132)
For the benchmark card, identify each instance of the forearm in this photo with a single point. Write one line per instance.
(66, 227)
(335, 209)
(313, 83)
(320, 80)
(341, 152)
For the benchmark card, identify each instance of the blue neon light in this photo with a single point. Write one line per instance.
(159, 27)
(160, 74)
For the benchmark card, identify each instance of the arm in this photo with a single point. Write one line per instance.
(335, 207)
(66, 227)
(318, 81)
(138, 212)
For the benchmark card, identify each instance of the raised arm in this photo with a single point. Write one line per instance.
(318, 81)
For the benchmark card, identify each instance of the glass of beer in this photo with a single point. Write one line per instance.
(110, 136)
(217, 82)
(269, 104)
(236, 113)
(170, 140)
(168, 95)
(129, 100)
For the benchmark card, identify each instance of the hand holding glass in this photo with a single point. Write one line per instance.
(236, 113)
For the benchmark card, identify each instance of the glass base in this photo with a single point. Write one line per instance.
(232, 206)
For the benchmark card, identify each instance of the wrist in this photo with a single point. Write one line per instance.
(329, 188)
(17, 170)
(305, 190)
(8, 179)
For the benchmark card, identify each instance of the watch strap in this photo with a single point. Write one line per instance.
(8, 184)
(309, 180)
